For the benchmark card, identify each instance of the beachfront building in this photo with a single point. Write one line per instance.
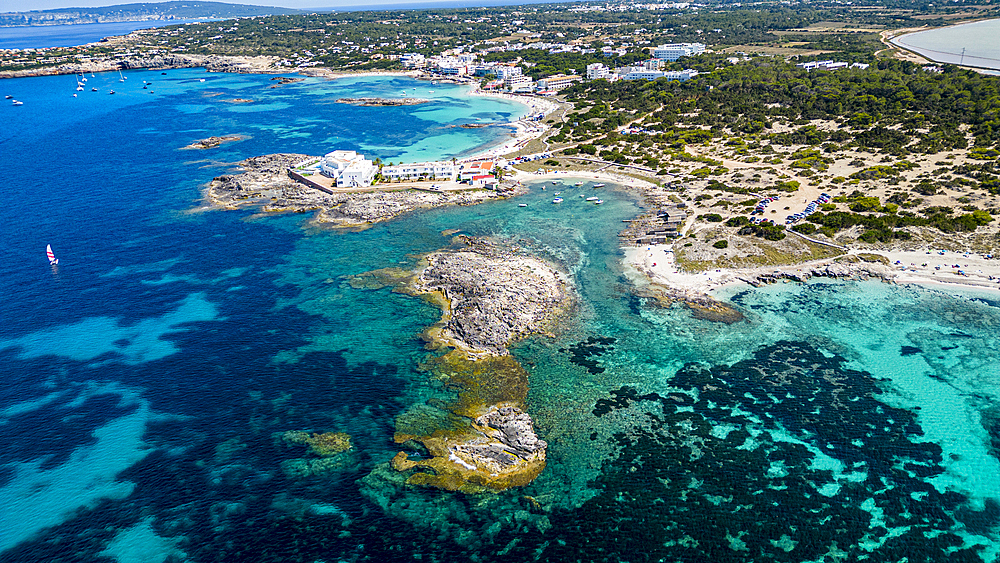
(507, 71)
(471, 170)
(519, 83)
(483, 181)
(348, 169)
(674, 51)
(441, 170)
(413, 60)
(557, 82)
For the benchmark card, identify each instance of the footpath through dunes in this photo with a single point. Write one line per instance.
(490, 296)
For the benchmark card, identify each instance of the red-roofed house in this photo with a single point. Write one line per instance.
(483, 180)
(473, 169)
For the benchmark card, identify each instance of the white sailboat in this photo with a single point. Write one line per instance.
(51, 255)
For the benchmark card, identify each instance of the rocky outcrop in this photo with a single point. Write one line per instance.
(512, 438)
(212, 142)
(494, 296)
(490, 296)
(499, 451)
(843, 268)
(372, 102)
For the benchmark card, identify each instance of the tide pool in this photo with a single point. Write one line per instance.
(152, 377)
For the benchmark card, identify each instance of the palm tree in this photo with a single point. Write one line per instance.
(498, 173)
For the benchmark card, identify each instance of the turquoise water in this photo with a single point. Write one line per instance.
(151, 376)
(972, 44)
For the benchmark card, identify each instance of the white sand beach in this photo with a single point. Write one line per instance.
(925, 267)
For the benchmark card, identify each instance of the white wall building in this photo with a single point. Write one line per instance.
(674, 51)
(519, 83)
(348, 168)
(441, 170)
(597, 71)
(505, 72)
(413, 60)
(557, 81)
(640, 73)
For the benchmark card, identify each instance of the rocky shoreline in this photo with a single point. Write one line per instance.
(377, 102)
(211, 63)
(265, 183)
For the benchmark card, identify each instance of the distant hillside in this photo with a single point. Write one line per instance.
(144, 11)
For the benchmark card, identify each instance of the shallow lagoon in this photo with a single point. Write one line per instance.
(151, 377)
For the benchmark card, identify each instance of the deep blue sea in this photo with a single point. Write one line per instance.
(149, 378)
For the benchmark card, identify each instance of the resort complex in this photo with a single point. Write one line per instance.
(350, 169)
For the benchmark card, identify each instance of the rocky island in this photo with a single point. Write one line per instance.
(213, 142)
(265, 183)
(490, 296)
(376, 102)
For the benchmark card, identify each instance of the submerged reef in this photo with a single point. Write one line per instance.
(788, 455)
(328, 446)
(323, 444)
(702, 305)
(490, 296)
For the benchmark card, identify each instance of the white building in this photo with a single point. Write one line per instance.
(674, 51)
(557, 82)
(506, 72)
(640, 73)
(441, 170)
(479, 169)
(348, 168)
(519, 83)
(413, 60)
(830, 65)
(597, 71)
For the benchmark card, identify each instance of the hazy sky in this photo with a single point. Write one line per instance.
(25, 5)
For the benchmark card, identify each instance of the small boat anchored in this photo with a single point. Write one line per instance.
(522, 205)
(593, 199)
(557, 200)
(598, 185)
(51, 255)
(578, 184)
(18, 103)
